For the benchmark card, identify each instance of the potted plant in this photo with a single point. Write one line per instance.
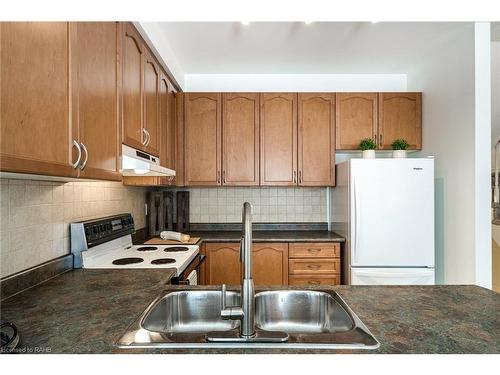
(399, 147)
(368, 147)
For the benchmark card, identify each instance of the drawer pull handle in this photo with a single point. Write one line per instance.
(313, 282)
(314, 266)
(314, 251)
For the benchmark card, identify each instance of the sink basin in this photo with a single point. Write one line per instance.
(300, 312)
(312, 319)
(189, 312)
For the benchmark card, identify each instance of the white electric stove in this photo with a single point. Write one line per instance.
(106, 243)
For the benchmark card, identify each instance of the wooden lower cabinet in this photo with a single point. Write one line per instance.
(222, 265)
(314, 263)
(270, 263)
(273, 264)
(313, 266)
(313, 280)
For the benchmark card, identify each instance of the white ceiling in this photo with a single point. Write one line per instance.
(297, 48)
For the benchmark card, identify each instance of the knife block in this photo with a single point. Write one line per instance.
(182, 211)
(156, 216)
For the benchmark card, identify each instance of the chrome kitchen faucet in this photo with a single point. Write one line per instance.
(245, 313)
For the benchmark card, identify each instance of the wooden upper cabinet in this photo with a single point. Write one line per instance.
(151, 103)
(400, 116)
(171, 128)
(202, 138)
(35, 130)
(278, 139)
(132, 102)
(270, 263)
(167, 122)
(357, 119)
(179, 140)
(222, 265)
(95, 97)
(240, 139)
(316, 139)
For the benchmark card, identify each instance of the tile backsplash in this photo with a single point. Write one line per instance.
(35, 216)
(270, 205)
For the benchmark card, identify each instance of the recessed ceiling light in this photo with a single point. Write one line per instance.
(308, 22)
(375, 21)
(245, 22)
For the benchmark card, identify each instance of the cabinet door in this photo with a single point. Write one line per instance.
(95, 97)
(278, 139)
(357, 118)
(202, 138)
(222, 264)
(151, 103)
(270, 263)
(171, 128)
(400, 116)
(132, 59)
(240, 139)
(180, 159)
(316, 141)
(35, 130)
(167, 123)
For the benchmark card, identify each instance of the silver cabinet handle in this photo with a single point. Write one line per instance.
(84, 164)
(144, 137)
(77, 145)
(149, 137)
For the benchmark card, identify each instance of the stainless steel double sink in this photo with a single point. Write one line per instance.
(312, 319)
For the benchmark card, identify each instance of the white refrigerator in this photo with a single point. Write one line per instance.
(385, 209)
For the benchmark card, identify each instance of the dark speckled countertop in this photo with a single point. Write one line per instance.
(82, 311)
(270, 236)
(85, 311)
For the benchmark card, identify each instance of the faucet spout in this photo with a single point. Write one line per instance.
(245, 312)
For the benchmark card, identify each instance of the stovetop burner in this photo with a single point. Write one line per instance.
(176, 249)
(147, 248)
(124, 261)
(163, 261)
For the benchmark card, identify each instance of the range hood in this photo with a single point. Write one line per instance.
(137, 163)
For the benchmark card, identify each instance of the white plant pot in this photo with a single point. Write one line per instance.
(399, 154)
(368, 154)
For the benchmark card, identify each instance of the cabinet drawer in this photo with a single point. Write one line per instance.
(314, 280)
(313, 266)
(314, 250)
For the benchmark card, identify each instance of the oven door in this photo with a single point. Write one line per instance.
(191, 274)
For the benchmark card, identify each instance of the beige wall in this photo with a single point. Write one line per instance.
(35, 216)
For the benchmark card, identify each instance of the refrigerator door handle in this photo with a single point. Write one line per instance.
(356, 222)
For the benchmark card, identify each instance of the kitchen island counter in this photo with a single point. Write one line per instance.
(82, 311)
(87, 311)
